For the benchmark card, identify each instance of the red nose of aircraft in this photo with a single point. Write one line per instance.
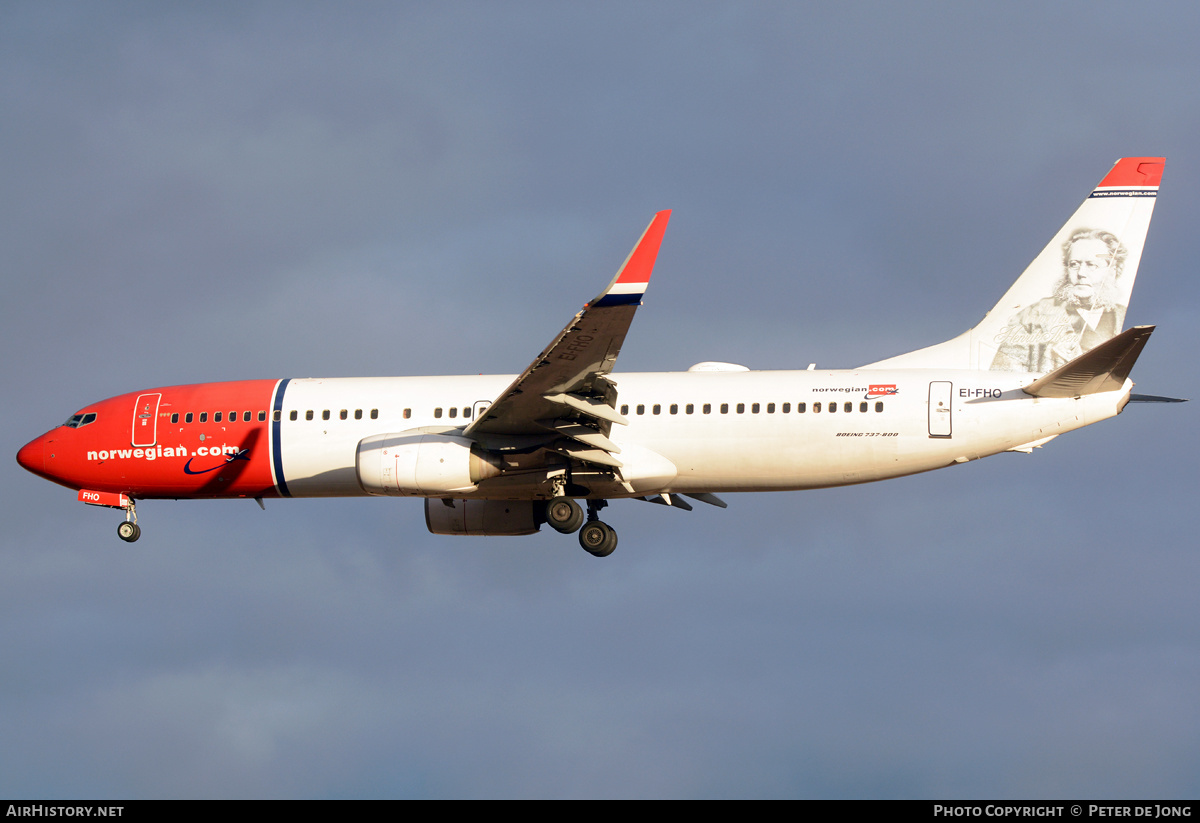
(32, 456)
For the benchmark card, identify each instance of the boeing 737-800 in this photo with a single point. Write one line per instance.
(503, 455)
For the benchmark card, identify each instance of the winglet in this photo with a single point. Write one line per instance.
(1104, 368)
(634, 275)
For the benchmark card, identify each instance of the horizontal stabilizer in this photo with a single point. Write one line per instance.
(1104, 368)
(1154, 398)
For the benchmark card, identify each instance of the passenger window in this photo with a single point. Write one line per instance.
(862, 407)
(741, 408)
(203, 417)
(454, 411)
(848, 407)
(437, 412)
(724, 408)
(467, 412)
(832, 407)
(770, 408)
(879, 406)
(276, 416)
(325, 414)
(233, 417)
(785, 408)
(358, 414)
(641, 409)
(689, 408)
(375, 413)
(657, 408)
(308, 415)
(625, 409)
(803, 407)
(187, 418)
(343, 414)
(754, 408)
(674, 408)
(245, 417)
(217, 417)
(293, 415)
(816, 407)
(706, 408)
(262, 417)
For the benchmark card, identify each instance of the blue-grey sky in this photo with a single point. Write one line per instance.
(197, 192)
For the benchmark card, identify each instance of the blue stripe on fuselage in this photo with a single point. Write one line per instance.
(276, 442)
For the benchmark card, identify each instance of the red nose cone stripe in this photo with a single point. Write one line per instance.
(32, 456)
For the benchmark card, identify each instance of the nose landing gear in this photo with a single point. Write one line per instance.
(129, 531)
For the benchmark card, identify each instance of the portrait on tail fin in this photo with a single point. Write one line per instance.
(1087, 308)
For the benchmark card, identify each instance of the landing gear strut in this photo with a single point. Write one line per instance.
(129, 531)
(597, 538)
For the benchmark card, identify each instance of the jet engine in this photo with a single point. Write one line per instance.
(419, 463)
(483, 517)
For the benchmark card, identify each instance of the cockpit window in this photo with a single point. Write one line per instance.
(81, 419)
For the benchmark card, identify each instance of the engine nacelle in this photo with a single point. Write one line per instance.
(484, 517)
(419, 463)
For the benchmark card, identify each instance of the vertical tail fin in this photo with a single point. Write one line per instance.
(1073, 296)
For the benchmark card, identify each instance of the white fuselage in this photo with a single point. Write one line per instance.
(717, 431)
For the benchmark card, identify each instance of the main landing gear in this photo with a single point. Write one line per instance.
(564, 515)
(129, 531)
(598, 539)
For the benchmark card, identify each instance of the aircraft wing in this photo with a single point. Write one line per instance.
(565, 391)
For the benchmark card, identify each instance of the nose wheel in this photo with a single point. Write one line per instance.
(129, 531)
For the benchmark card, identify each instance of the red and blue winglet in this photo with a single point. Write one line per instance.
(630, 283)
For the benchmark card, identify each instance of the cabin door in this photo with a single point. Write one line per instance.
(145, 419)
(479, 408)
(939, 408)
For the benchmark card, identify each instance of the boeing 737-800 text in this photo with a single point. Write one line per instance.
(502, 455)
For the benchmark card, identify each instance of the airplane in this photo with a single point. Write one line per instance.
(504, 455)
